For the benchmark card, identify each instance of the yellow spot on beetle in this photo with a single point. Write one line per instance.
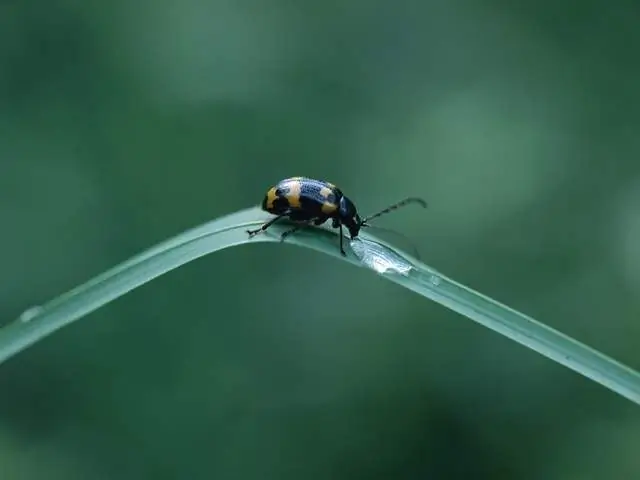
(328, 208)
(325, 192)
(293, 195)
(272, 196)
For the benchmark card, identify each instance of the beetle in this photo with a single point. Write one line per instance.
(307, 201)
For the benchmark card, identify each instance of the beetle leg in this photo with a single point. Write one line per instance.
(264, 226)
(341, 239)
(289, 232)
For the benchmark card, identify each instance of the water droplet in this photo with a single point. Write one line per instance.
(29, 314)
(380, 258)
(435, 280)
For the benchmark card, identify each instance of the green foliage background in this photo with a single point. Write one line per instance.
(123, 123)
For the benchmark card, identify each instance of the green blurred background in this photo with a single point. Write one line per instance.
(123, 123)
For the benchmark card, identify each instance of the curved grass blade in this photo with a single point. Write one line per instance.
(366, 251)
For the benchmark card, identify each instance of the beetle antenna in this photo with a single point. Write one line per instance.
(400, 235)
(395, 206)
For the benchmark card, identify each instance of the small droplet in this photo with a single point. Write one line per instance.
(435, 280)
(29, 314)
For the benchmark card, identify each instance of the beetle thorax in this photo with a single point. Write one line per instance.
(349, 216)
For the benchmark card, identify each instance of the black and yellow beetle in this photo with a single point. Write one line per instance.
(312, 202)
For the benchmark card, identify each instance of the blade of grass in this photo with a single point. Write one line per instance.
(368, 252)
